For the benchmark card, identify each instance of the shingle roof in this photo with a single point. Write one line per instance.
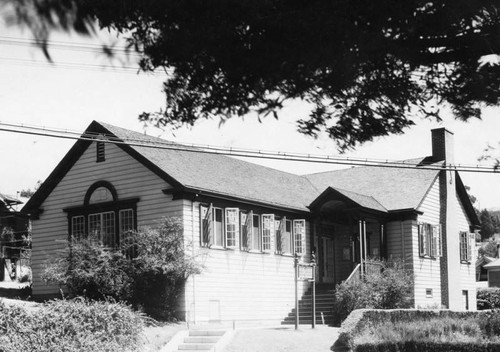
(364, 201)
(393, 188)
(224, 175)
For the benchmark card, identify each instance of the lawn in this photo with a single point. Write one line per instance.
(283, 339)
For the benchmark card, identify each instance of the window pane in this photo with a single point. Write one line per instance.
(126, 218)
(78, 226)
(218, 230)
(299, 232)
(231, 227)
(287, 237)
(267, 226)
(95, 225)
(108, 229)
(256, 233)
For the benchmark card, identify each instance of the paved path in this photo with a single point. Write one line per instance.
(283, 339)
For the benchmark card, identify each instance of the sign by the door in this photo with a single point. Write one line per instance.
(305, 272)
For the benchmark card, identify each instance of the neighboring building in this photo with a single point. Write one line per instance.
(13, 225)
(245, 221)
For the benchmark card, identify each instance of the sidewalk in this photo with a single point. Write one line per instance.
(283, 339)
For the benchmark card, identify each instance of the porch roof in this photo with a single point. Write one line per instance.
(357, 199)
(393, 188)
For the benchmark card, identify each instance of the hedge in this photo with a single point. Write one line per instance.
(488, 298)
(70, 326)
(475, 331)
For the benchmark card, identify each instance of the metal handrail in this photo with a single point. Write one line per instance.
(356, 270)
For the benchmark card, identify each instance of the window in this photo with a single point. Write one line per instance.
(286, 236)
(102, 215)
(299, 233)
(256, 239)
(102, 225)
(219, 227)
(428, 293)
(100, 152)
(126, 221)
(267, 232)
(465, 248)
(232, 226)
(429, 240)
(78, 226)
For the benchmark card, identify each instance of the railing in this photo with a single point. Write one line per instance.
(366, 268)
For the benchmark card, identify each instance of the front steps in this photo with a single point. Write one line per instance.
(200, 340)
(324, 305)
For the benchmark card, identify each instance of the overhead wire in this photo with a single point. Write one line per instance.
(153, 142)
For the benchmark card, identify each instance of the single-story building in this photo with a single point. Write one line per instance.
(245, 222)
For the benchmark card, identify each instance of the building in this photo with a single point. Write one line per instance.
(246, 221)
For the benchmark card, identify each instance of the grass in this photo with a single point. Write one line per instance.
(283, 340)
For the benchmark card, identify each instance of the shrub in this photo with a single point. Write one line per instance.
(490, 323)
(71, 326)
(148, 269)
(388, 288)
(417, 330)
(488, 298)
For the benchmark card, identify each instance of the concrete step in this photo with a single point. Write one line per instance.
(196, 346)
(201, 339)
(206, 332)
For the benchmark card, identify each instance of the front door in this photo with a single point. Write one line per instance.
(328, 261)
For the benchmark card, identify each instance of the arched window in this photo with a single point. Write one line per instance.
(103, 215)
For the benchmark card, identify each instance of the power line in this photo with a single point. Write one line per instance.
(151, 142)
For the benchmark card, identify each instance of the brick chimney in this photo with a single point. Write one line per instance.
(442, 151)
(442, 145)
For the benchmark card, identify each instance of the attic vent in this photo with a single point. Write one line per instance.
(100, 155)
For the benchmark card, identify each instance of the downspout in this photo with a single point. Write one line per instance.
(364, 239)
(360, 223)
(193, 254)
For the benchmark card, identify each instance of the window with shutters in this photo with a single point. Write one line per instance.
(429, 238)
(465, 248)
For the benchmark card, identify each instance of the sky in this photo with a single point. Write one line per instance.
(82, 86)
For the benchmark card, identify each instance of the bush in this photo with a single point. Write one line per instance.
(71, 326)
(417, 330)
(490, 323)
(488, 298)
(147, 271)
(388, 288)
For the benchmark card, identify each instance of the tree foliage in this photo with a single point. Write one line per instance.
(490, 224)
(363, 66)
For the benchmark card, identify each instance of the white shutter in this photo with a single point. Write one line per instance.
(267, 232)
(437, 250)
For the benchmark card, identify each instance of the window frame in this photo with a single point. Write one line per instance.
(268, 233)
(235, 232)
(256, 233)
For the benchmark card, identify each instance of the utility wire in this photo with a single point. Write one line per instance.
(156, 143)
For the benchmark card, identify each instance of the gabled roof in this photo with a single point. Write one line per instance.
(393, 188)
(195, 170)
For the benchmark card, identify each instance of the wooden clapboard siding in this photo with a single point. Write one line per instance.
(239, 285)
(427, 270)
(467, 271)
(130, 179)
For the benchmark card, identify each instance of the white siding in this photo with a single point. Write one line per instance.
(427, 271)
(238, 285)
(467, 271)
(130, 179)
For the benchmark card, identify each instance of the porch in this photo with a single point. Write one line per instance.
(348, 231)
